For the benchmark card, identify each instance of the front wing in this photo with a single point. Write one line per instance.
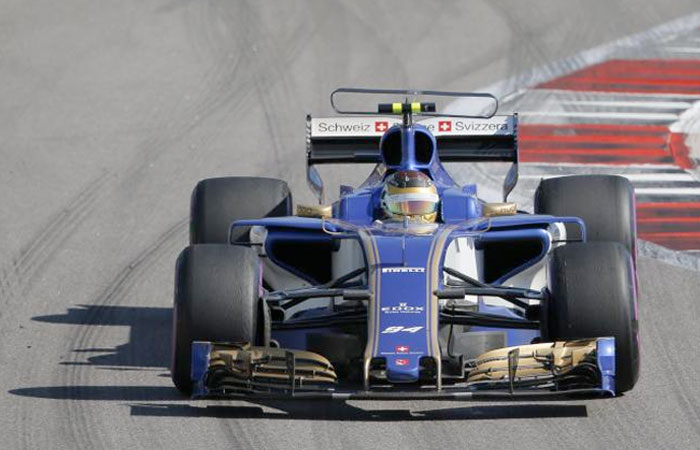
(546, 370)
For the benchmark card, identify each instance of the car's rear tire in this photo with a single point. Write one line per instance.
(593, 294)
(217, 290)
(217, 202)
(604, 202)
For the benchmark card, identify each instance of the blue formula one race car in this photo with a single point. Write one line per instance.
(409, 286)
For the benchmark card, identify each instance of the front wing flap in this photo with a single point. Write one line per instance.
(546, 370)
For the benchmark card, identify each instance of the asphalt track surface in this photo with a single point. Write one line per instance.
(109, 114)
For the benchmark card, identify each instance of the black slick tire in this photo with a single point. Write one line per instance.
(593, 294)
(218, 202)
(604, 202)
(217, 289)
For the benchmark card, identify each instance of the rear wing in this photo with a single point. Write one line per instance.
(342, 140)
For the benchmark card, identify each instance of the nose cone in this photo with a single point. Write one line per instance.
(402, 368)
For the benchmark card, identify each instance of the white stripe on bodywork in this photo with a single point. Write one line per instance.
(374, 281)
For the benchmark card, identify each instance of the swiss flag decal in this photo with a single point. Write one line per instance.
(445, 125)
(381, 126)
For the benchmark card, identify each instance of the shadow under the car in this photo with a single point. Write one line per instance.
(102, 393)
(148, 346)
(148, 349)
(340, 411)
(168, 402)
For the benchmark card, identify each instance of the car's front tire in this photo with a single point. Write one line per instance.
(217, 291)
(593, 294)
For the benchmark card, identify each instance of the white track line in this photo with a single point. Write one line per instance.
(628, 104)
(689, 121)
(644, 117)
(683, 49)
(586, 58)
(667, 191)
(570, 94)
(601, 166)
(633, 177)
(519, 88)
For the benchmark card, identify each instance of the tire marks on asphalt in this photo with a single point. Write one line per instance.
(17, 276)
(681, 372)
(84, 335)
(261, 72)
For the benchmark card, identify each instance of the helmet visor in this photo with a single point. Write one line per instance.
(412, 204)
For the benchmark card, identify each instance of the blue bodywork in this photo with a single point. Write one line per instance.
(404, 266)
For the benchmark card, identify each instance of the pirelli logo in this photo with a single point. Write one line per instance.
(403, 269)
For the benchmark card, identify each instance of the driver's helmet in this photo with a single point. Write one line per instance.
(412, 194)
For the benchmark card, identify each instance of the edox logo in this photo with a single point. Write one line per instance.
(403, 308)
